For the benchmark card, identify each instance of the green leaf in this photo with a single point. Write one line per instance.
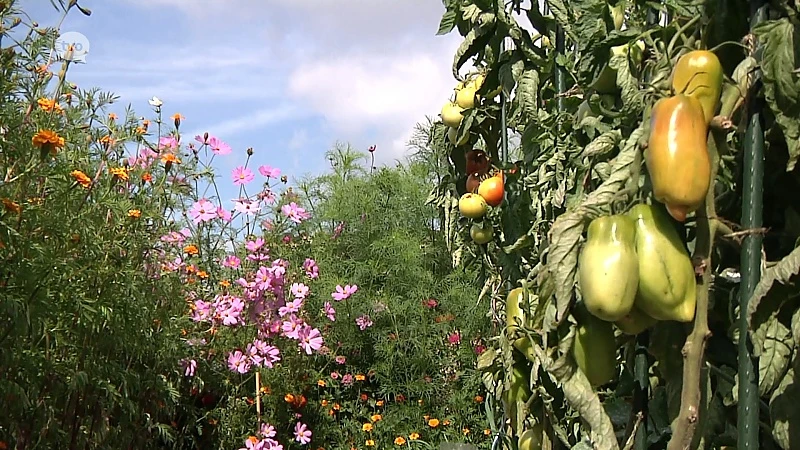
(474, 42)
(775, 355)
(781, 272)
(781, 83)
(565, 235)
(526, 98)
(603, 144)
(784, 411)
(448, 21)
(631, 95)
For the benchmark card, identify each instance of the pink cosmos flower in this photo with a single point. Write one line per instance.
(189, 367)
(291, 307)
(340, 359)
(364, 322)
(330, 313)
(238, 362)
(269, 172)
(253, 246)
(203, 211)
(294, 212)
(218, 146)
(231, 261)
(310, 339)
(247, 207)
(224, 214)
(311, 268)
(168, 142)
(301, 433)
(291, 327)
(268, 196)
(299, 290)
(335, 375)
(267, 430)
(242, 175)
(343, 293)
(347, 379)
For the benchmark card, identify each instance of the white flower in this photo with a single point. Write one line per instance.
(155, 101)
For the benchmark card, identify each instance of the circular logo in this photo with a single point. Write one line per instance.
(72, 46)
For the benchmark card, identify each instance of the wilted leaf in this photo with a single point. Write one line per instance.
(629, 85)
(527, 94)
(781, 83)
(784, 411)
(781, 272)
(448, 21)
(603, 144)
(474, 41)
(566, 232)
(775, 355)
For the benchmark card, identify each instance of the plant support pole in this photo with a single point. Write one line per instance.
(753, 186)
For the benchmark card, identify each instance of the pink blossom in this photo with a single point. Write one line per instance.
(224, 214)
(269, 172)
(347, 379)
(231, 261)
(247, 207)
(329, 312)
(364, 322)
(301, 433)
(189, 367)
(242, 175)
(291, 327)
(480, 348)
(268, 196)
(237, 362)
(291, 307)
(454, 338)
(430, 303)
(267, 430)
(168, 142)
(311, 268)
(310, 339)
(343, 293)
(203, 211)
(253, 246)
(299, 290)
(294, 212)
(218, 146)
(340, 359)
(335, 375)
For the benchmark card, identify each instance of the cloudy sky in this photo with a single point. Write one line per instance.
(286, 77)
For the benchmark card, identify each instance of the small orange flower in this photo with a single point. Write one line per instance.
(420, 402)
(81, 178)
(169, 158)
(266, 390)
(119, 173)
(331, 412)
(370, 443)
(399, 440)
(107, 140)
(48, 105)
(146, 177)
(134, 213)
(433, 423)
(212, 422)
(337, 407)
(366, 427)
(379, 403)
(288, 398)
(202, 274)
(145, 123)
(11, 206)
(360, 377)
(191, 249)
(478, 399)
(253, 439)
(48, 138)
(446, 422)
(487, 432)
(413, 436)
(324, 402)
(321, 383)
(375, 418)
(112, 116)
(225, 283)
(177, 116)
(465, 431)
(140, 130)
(364, 397)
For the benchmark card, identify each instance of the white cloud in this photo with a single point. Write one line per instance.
(250, 121)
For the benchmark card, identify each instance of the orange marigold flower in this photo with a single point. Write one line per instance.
(366, 427)
(399, 440)
(119, 172)
(465, 431)
(360, 377)
(433, 423)
(112, 116)
(140, 130)
(337, 406)
(225, 283)
(11, 206)
(170, 158)
(379, 403)
(324, 402)
(202, 274)
(146, 177)
(288, 398)
(49, 138)
(177, 116)
(478, 399)
(487, 432)
(191, 249)
(413, 436)
(81, 178)
(134, 213)
(321, 383)
(48, 104)
(370, 443)
(375, 418)
(107, 140)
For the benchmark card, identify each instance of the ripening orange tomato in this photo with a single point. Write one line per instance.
(492, 190)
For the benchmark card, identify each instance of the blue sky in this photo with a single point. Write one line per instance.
(286, 77)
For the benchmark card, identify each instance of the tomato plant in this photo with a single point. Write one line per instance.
(641, 110)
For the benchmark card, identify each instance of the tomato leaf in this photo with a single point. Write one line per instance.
(565, 235)
(473, 43)
(781, 83)
(603, 144)
(448, 21)
(781, 272)
(525, 102)
(784, 411)
(631, 95)
(774, 356)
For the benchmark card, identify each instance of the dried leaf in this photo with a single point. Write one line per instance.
(781, 272)
(784, 411)
(603, 144)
